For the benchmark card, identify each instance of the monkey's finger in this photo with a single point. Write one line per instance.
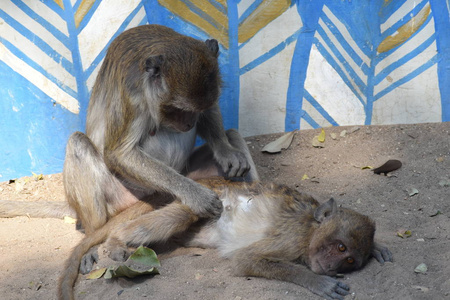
(240, 166)
(382, 255)
(234, 170)
(387, 255)
(243, 170)
(342, 289)
(214, 210)
(244, 167)
(225, 165)
(377, 255)
(336, 296)
(343, 286)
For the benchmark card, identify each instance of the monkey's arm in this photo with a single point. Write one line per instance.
(233, 162)
(145, 171)
(270, 260)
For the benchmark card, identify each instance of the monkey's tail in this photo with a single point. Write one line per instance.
(70, 273)
(38, 209)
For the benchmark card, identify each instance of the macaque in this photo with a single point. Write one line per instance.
(267, 230)
(155, 92)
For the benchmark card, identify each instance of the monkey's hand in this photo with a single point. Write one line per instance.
(328, 287)
(202, 201)
(233, 162)
(381, 253)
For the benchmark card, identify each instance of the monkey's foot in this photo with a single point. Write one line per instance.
(117, 249)
(119, 254)
(88, 260)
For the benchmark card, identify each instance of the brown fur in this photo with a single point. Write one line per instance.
(281, 234)
(156, 90)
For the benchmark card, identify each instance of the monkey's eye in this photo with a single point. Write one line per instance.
(350, 260)
(341, 247)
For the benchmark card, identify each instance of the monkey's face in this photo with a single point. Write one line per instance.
(341, 244)
(187, 82)
(178, 119)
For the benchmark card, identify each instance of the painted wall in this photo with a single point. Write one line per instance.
(286, 64)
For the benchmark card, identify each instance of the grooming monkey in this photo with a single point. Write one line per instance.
(267, 230)
(155, 92)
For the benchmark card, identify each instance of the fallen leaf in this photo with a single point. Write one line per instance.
(435, 214)
(198, 276)
(444, 182)
(315, 142)
(125, 271)
(321, 137)
(142, 262)
(389, 166)
(37, 177)
(404, 233)
(96, 274)
(69, 220)
(422, 268)
(305, 177)
(440, 159)
(420, 288)
(412, 191)
(145, 256)
(354, 129)
(282, 142)
(343, 133)
(333, 136)
(366, 168)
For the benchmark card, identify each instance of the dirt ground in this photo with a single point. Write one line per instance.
(32, 251)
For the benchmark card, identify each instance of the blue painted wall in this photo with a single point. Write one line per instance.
(47, 66)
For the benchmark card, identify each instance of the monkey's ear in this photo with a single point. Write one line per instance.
(153, 65)
(325, 210)
(213, 45)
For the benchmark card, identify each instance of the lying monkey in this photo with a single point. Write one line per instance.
(267, 230)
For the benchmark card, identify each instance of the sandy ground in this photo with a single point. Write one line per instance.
(32, 251)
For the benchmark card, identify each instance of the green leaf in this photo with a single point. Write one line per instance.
(145, 256)
(142, 262)
(412, 192)
(404, 233)
(422, 268)
(125, 271)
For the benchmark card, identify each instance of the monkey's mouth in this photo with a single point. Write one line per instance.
(178, 119)
(317, 268)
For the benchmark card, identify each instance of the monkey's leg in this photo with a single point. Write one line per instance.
(268, 259)
(90, 188)
(156, 226)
